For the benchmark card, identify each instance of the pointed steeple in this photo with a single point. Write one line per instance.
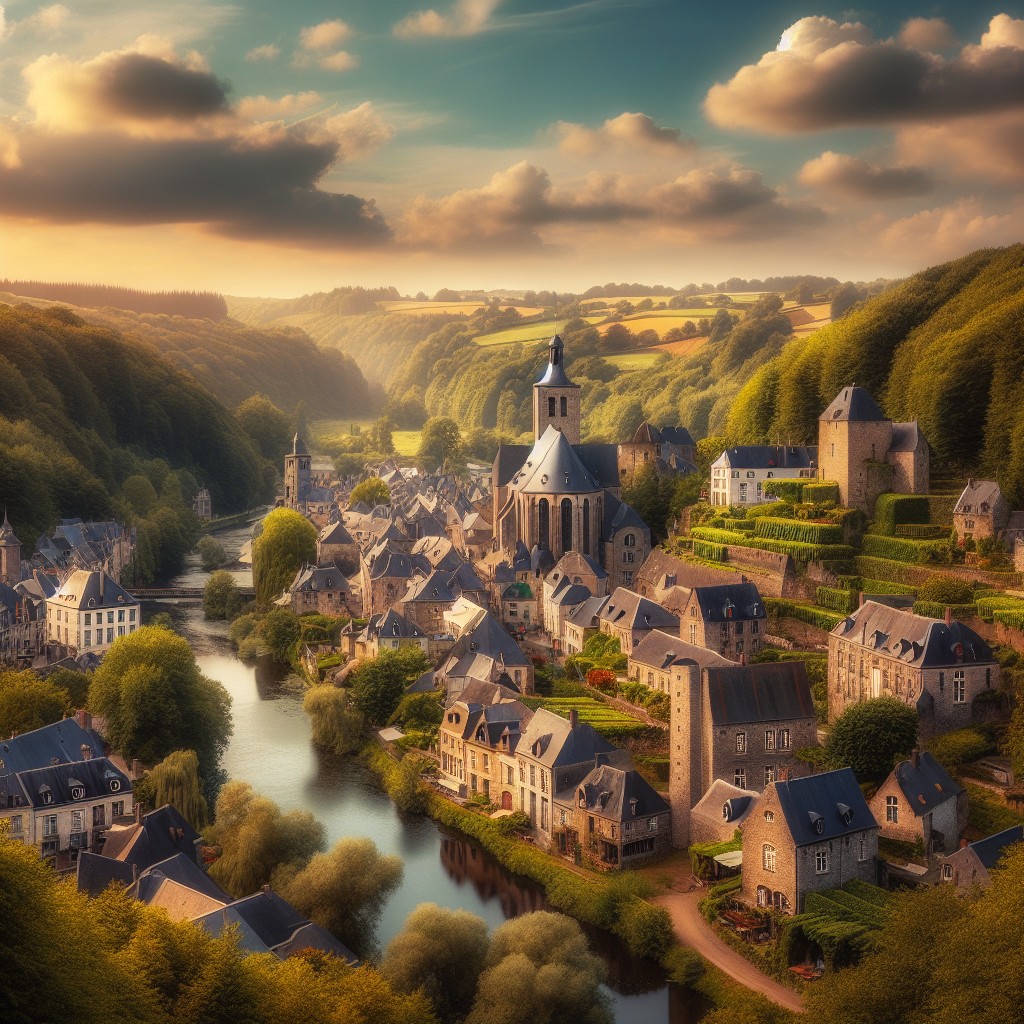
(6, 530)
(554, 372)
(298, 446)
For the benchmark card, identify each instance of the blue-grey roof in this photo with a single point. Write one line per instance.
(54, 784)
(619, 793)
(59, 742)
(772, 456)
(96, 873)
(854, 404)
(767, 692)
(554, 371)
(619, 516)
(736, 601)
(553, 467)
(822, 801)
(926, 784)
(992, 848)
(160, 835)
(181, 869)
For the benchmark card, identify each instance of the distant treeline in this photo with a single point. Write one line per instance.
(197, 305)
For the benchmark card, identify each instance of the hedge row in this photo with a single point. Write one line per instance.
(843, 601)
(819, 493)
(937, 610)
(897, 549)
(819, 617)
(921, 531)
(710, 551)
(807, 552)
(1012, 619)
(890, 571)
(720, 536)
(798, 530)
(789, 490)
(883, 587)
(779, 509)
(892, 510)
(988, 606)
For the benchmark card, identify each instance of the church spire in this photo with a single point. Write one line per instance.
(554, 372)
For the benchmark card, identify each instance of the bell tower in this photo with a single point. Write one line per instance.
(296, 474)
(556, 400)
(10, 554)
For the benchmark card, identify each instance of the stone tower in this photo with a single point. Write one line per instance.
(556, 400)
(296, 474)
(685, 758)
(854, 438)
(10, 554)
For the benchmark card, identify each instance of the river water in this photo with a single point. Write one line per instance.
(271, 749)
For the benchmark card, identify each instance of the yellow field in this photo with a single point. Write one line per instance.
(639, 360)
(661, 324)
(681, 349)
(542, 330)
(600, 301)
(331, 433)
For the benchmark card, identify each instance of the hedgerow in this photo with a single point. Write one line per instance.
(801, 531)
(897, 549)
(712, 552)
(892, 510)
(937, 610)
(820, 617)
(821, 492)
(843, 601)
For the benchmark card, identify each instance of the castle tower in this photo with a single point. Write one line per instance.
(556, 400)
(854, 438)
(685, 785)
(10, 554)
(296, 474)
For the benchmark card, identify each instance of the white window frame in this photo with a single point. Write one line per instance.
(769, 857)
(821, 861)
(892, 810)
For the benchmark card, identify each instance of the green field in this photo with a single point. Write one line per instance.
(334, 433)
(627, 361)
(541, 330)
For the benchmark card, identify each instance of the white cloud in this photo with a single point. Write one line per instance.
(262, 108)
(463, 18)
(359, 132)
(931, 34)
(945, 232)
(625, 133)
(851, 177)
(328, 35)
(267, 52)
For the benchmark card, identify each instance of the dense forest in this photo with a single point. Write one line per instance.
(198, 305)
(84, 411)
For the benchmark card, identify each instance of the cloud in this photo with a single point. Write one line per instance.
(510, 211)
(989, 148)
(359, 132)
(932, 34)
(827, 75)
(464, 18)
(627, 132)
(259, 53)
(850, 177)
(945, 232)
(328, 35)
(125, 88)
(262, 108)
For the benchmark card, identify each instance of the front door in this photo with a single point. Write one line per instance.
(506, 801)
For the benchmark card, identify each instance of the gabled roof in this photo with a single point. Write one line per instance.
(618, 793)
(55, 785)
(553, 467)
(767, 692)
(925, 784)
(913, 639)
(977, 492)
(662, 650)
(631, 611)
(726, 802)
(853, 404)
(769, 456)
(335, 533)
(551, 740)
(906, 437)
(433, 588)
(398, 565)
(991, 849)
(822, 807)
(465, 578)
(678, 436)
(575, 563)
(160, 835)
(736, 601)
(571, 595)
(96, 872)
(51, 744)
(619, 516)
(391, 625)
(85, 589)
(588, 614)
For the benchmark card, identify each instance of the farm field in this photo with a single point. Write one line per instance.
(422, 308)
(820, 318)
(638, 360)
(541, 330)
(661, 324)
(327, 434)
(683, 348)
(601, 301)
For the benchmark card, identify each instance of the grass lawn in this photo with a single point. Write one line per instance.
(525, 333)
(330, 433)
(640, 360)
(590, 710)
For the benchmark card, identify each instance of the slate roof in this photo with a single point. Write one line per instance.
(913, 639)
(95, 872)
(662, 650)
(92, 589)
(990, 849)
(392, 624)
(853, 404)
(906, 437)
(678, 436)
(335, 533)
(7, 534)
(629, 610)
(926, 785)
(398, 565)
(62, 741)
(182, 870)
(551, 740)
(434, 587)
(53, 785)
(573, 594)
(575, 563)
(478, 691)
(619, 516)
(767, 692)
(722, 794)
(160, 835)
(318, 578)
(769, 456)
(742, 599)
(823, 800)
(465, 578)
(553, 467)
(601, 460)
(554, 371)
(619, 793)
(298, 446)
(584, 617)
(975, 493)
(542, 561)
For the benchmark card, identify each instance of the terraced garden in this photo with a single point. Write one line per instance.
(608, 721)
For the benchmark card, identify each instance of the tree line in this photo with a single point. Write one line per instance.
(199, 305)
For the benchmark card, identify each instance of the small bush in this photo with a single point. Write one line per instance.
(955, 749)
(515, 824)
(821, 492)
(844, 601)
(946, 590)
(684, 966)
(790, 491)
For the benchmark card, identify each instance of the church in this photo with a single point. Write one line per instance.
(561, 495)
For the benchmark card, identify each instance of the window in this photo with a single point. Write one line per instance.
(629, 556)
(862, 849)
(88, 618)
(566, 508)
(739, 646)
(892, 812)
(551, 406)
(739, 778)
(629, 540)
(50, 825)
(533, 775)
(543, 519)
(959, 688)
(110, 634)
(99, 817)
(564, 404)
(769, 816)
(821, 862)
(472, 759)
(120, 615)
(627, 577)
(78, 821)
(947, 872)
(783, 739)
(741, 743)
(77, 793)
(768, 857)
(693, 634)
(743, 492)
(769, 739)
(652, 824)
(750, 474)
(88, 638)
(131, 615)
(769, 774)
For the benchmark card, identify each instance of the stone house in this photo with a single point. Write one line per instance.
(740, 723)
(90, 611)
(807, 835)
(739, 475)
(866, 453)
(553, 756)
(937, 667)
(559, 603)
(472, 535)
(720, 811)
(483, 650)
(389, 631)
(981, 512)
(613, 814)
(336, 544)
(581, 624)
(654, 657)
(320, 589)
(426, 601)
(919, 802)
(625, 543)
(729, 619)
(630, 617)
(972, 864)
(386, 576)
(519, 606)
(668, 449)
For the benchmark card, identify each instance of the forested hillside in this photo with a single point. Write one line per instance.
(191, 304)
(83, 410)
(943, 347)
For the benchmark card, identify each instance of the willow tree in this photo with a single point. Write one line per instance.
(176, 781)
(287, 542)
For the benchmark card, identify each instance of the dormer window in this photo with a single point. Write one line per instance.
(583, 799)
(845, 813)
(115, 785)
(769, 816)
(47, 794)
(817, 822)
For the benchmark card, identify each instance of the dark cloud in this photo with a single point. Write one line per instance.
(853, 178)
(263, 187)
(826, 75)
(138, 85)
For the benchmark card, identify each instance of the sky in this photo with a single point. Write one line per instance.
(269, 148)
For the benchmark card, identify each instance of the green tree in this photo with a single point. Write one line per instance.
(372, 491)
(380, 435)
(211, 553)
(267, 425)
(155, 701)
(286, 543)
(378, 684)
(540, 969)
(440, 443)
(219, 595)
(280, 631)
(870, 737)
(944, 589)
(139, 494)
(74, 683)
(334, 726)
(259, 844)
(300, 420)
(844, 298)
(442, 952)
(345, 890)
(175, 780)
(28, 702)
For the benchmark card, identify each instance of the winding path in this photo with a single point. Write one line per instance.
(693, 931)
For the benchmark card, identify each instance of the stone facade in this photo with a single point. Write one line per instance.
(729, 620)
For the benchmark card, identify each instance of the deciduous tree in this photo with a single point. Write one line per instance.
(286, 543)
(870, 737)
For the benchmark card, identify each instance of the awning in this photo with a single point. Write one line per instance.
(732, 859)
(389, 735)
(452, 787)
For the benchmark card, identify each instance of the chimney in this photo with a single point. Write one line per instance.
(265, 889)
(915, 758)
(963, 844)
(136, 768)
(743, 660)
(102, 581)
(573, 718)
(137, 811)
(83, 718)
(949, 616)
(860, 600)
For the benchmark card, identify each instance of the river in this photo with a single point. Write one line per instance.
(270, 748)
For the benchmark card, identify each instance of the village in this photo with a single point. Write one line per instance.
(631, 704)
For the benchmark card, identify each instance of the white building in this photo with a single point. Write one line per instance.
(90, 611)
(738, 475)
